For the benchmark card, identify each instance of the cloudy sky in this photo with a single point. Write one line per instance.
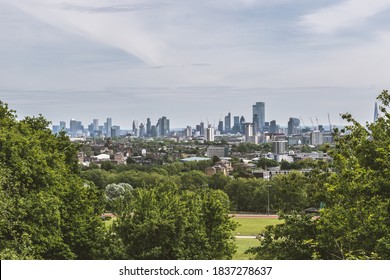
(193, 60)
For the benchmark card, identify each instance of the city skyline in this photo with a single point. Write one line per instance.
(194, 60)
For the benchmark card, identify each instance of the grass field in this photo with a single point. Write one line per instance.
(242, 246)
(109, 222)
(250, 227)
(253, 226)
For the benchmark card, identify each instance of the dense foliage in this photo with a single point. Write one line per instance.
(166, 223)
(48, 212)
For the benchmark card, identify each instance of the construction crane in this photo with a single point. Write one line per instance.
(312, 123)
(318, 125)
(330, 124)
(303, 124)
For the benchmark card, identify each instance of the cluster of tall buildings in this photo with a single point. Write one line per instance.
(77, 129)
(255, 131)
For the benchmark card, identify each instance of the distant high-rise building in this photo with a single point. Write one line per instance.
(153, 131)
(376, 115)
(202, 131)
(135, 128)
(55, 129)
(248, 131)
(167, 128)
(197, 129)
(236, 125)
(266, 127)
(109, 126)
(162, 127)
(255, 124)
(75, 127)
(142, 130)
(228, 123)
(242, 125)
(273, 127)
(210, 133)
(293, 126)
(95, 123)
(115, 131)
(279, 147)
(316, 138)
(249, 137)
(188, 131)
(90, 129)
(220, 126)
(259, 115)
(148, 127)
(62, 125)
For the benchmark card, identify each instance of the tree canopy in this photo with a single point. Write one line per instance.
(50, 212)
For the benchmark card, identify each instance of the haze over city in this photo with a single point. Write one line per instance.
(192, 60)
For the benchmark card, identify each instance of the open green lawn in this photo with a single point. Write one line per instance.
(109, 222)
(253, 226)
(242, 246)
(250, 227)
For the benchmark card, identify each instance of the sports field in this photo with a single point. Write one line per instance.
(250, 226)
(253, 225)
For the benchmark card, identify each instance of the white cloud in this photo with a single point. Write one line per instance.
(123, 31)
(344, 15)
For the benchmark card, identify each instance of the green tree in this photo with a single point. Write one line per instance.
(193, 180)
(165, 223)
(247, 194)
(291, 240)
(219, 181)
(265, 163)
(289, 192)
(51, 212)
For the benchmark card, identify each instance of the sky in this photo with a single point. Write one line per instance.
(193, 60)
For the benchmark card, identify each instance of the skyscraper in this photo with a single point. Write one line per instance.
(188, 131)
(236, 126)
(248, 132)
(279, 147)
(228, 123)
(273, 127)
(62, 125)
(115, 131)
(259, 116)
(142, 130)
(293, 126)
(220, 126)
(242, 125)
(376, 112)
(202, 131)
(95, 124)
(148, 127)
(210, 133)
(162, 127)
(316, 138)
(109, 126)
